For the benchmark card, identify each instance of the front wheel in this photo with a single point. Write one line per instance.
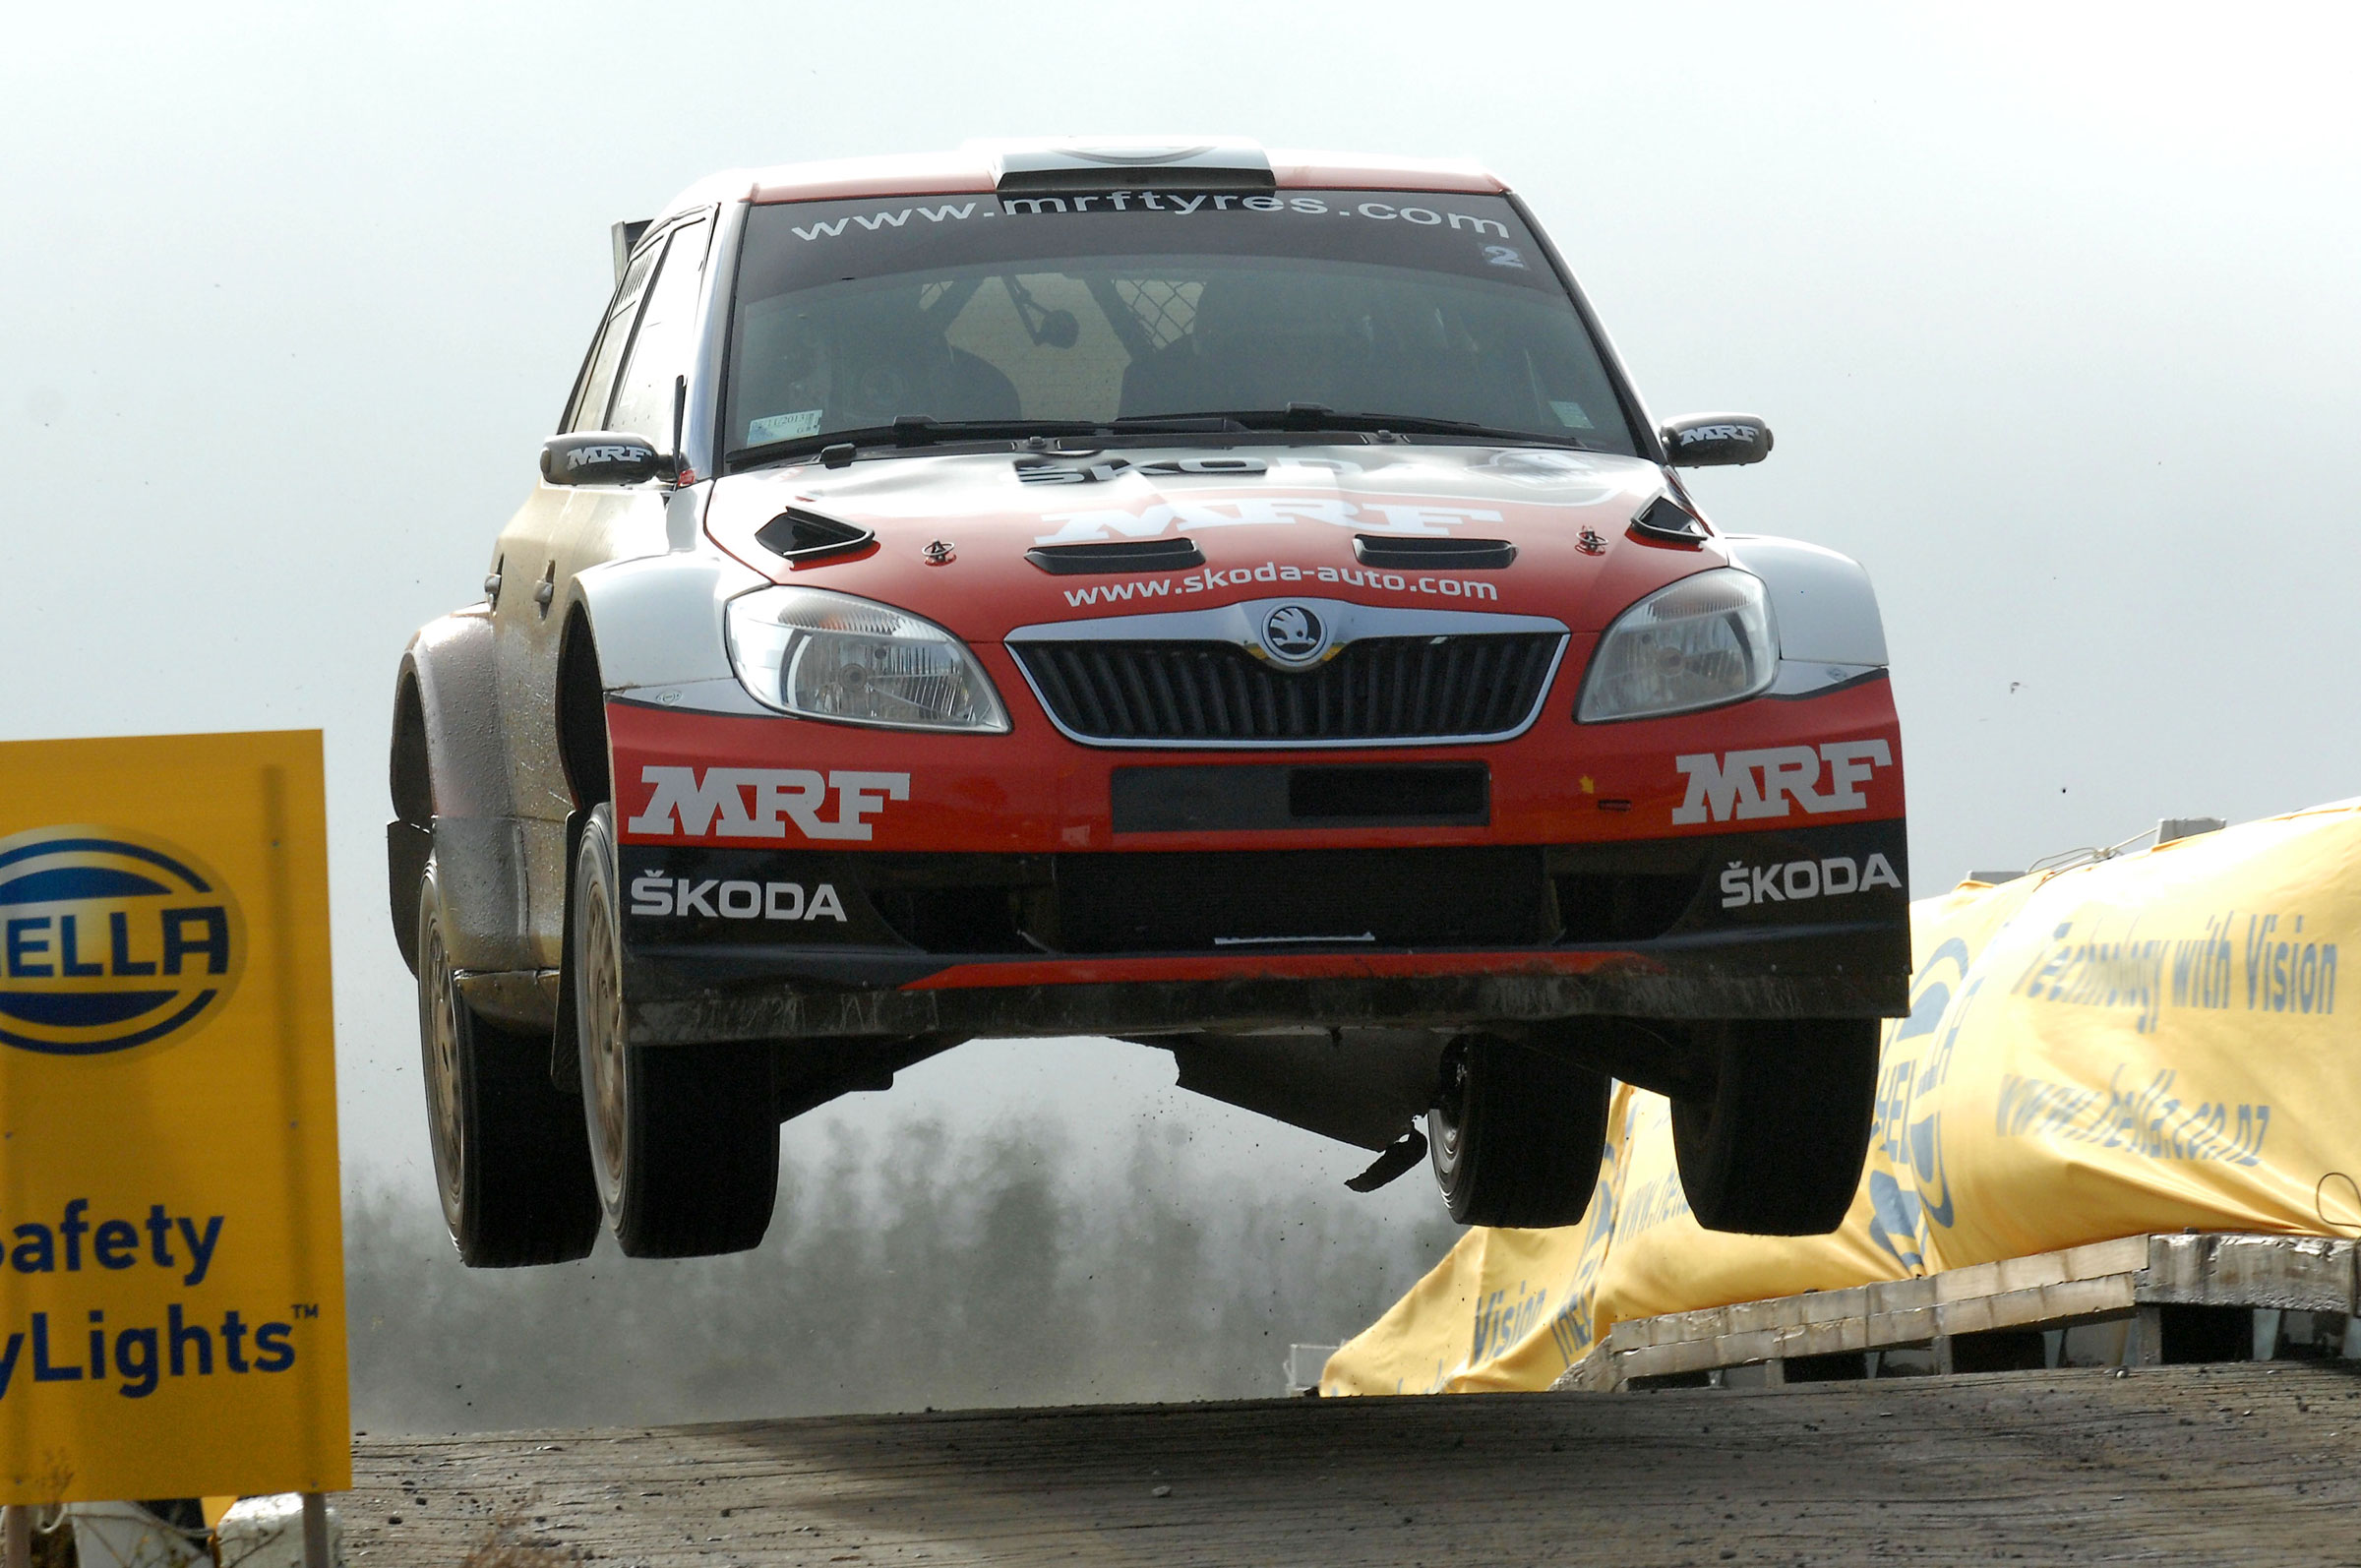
(511, 1162)
(1778, 1150)
(1515, 1135)
(685, 1138)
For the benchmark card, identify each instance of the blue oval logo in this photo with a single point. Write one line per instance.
(110, 940)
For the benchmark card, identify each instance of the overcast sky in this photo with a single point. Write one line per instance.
(2055, 310)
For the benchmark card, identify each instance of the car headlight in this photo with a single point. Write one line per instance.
(824, 655)
(1705, 640)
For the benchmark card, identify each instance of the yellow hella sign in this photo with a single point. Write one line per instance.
(171, 1276)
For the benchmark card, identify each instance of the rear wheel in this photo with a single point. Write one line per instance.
(511, 1162)
(685, 1140)
(1778, 1149)
(1515, 1135)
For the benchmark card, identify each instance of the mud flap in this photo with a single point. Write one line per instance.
(1397, 1160)
(564, 1048)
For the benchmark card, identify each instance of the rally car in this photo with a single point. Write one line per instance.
(1229, 601)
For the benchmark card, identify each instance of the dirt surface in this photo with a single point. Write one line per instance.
(2232, 1464)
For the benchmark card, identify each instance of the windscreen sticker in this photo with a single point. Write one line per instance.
(785, 427)
(1176, 203)
(1571, 415)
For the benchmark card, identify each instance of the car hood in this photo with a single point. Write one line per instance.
(953, 530)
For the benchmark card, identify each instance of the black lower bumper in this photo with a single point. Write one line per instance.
(736, 944)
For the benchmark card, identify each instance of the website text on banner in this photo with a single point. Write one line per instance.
(2151, 1043)
(171, 1251)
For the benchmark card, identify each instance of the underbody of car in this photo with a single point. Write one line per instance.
(1233, 602)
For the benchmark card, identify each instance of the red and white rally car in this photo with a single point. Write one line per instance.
(1230, 601)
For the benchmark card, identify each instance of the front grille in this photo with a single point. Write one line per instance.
(1377, 688)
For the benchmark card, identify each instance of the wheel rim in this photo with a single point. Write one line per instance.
(599, 1005)
(439, 1001)
(1447, 1121)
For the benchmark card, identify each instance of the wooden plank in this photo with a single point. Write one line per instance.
(2124, 1255)
(1830, 1306)
(2305, 1273)
(1902, 1295)
(2030, 1271)
(1912, 1327)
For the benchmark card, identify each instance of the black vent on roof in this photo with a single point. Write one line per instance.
(1466, 555)
(1119, 555)
(1136, 177)
(801, 535)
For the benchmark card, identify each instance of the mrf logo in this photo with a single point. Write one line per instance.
(1750, 785)
(110, 940)
(759, 802)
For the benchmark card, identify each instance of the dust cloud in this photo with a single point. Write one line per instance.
(918, 1267)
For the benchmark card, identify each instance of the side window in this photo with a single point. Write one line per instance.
(662, 348)
(598, 378)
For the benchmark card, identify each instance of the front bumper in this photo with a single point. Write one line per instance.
(1743, 862)
(750, 944)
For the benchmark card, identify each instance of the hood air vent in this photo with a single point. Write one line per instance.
(1120, 554)
(802, 536)
(1667, 522)
(1464, 555)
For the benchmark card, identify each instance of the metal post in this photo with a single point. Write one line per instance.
(2146, 1342)
(16, 1523)
(315, 1532)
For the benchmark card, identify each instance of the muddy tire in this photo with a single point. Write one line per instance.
(1515, 1136)
(512, 1165)
(684, 1139)
(1778, 1150)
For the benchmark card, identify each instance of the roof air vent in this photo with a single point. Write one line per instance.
(1182, 163)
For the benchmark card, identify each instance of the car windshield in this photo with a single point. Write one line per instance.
(1086, 309)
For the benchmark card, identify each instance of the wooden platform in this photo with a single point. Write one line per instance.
(1987, 1319)
(2247, 1463)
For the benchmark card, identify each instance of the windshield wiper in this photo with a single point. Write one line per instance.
(923, 430)
(1313, 417)
(908, 430)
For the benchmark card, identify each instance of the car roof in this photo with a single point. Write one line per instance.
(976, 168)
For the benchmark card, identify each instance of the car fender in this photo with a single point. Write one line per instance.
(656, 622)
(1823, 609)
(449, 766)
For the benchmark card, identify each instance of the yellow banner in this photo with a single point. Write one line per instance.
(2148, 1043)
(171, 1248)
